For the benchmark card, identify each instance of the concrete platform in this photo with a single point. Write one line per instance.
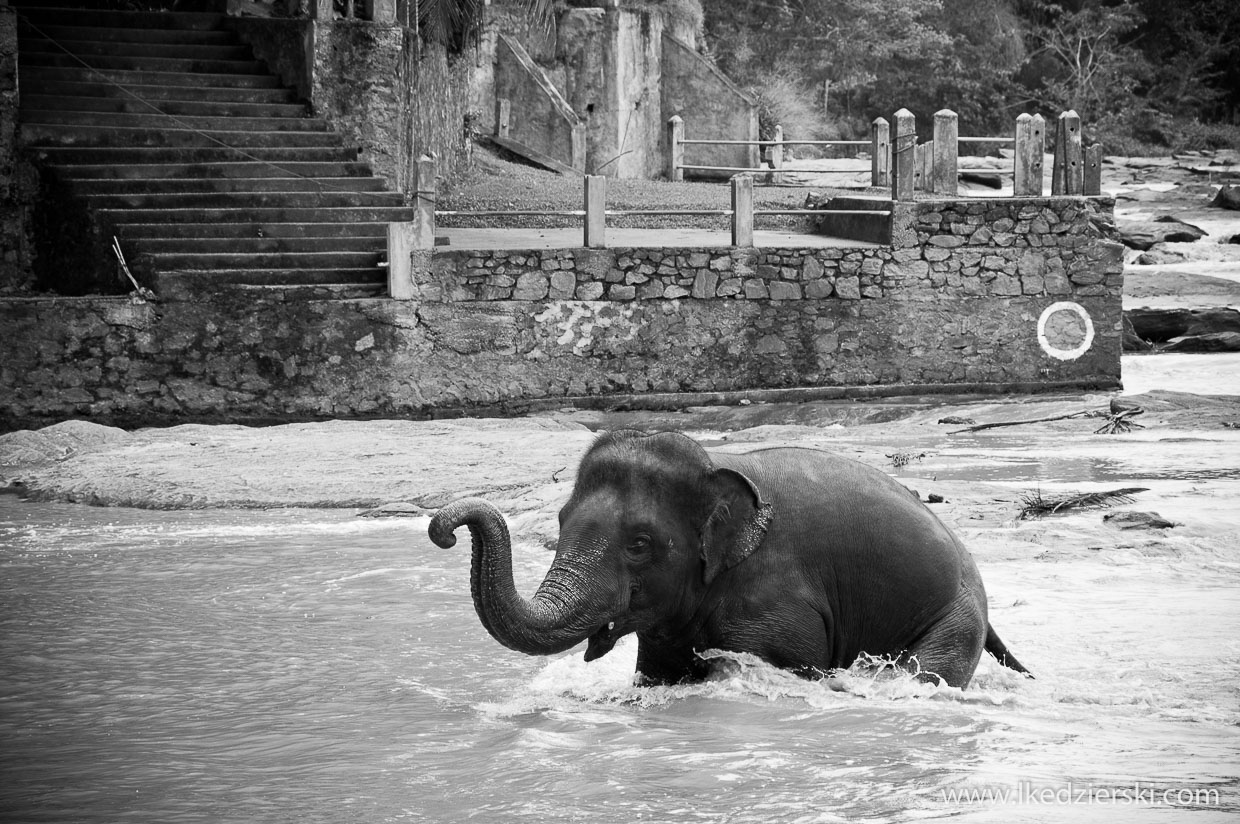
(490, 239)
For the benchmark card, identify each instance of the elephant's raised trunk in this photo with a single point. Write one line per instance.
(555, 619)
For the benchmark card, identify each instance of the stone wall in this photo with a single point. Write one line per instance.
(712, 107)
(15, 181)
(540, 116)
(979, 295)
(393, 97)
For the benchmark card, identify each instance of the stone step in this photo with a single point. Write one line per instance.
(167, 281)
(212, 171)
(37, 85)
(36, 41)
(308, 215)
(252, 245)
(135, 155)
(108, 19)
(234, 185)
(128, 79)
(38, 134)
(127, 34)
(183, 144)
(32, 44)
(246, 200)
(138, 63)
(31, 103)
(215, 261)
(112, 5)
(204, 123)
(232, 231)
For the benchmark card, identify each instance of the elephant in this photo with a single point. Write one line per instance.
(795, 555)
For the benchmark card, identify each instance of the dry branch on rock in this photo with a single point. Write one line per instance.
(979, 427)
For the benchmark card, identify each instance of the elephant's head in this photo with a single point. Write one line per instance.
(650, 523)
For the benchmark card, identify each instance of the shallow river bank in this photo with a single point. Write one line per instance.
(244, 657)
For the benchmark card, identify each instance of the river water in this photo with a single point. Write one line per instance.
(305, 666)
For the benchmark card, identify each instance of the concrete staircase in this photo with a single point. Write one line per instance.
(162, 129)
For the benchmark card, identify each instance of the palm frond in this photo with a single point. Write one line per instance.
(1035, 504)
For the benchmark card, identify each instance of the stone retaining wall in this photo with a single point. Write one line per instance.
(974, 295)
(15, 179)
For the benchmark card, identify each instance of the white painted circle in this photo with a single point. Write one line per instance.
(1052, 331)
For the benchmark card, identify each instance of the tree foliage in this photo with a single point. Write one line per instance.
(1117, 62)
(454, 23)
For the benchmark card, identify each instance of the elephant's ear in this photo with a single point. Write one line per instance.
(737, 525)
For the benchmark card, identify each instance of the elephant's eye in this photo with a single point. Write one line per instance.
(640, 545)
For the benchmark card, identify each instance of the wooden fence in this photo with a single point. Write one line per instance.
(899, 161)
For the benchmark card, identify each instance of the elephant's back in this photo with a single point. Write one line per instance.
(834, 486)
(886, 562)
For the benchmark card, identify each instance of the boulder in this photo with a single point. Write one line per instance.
(1228, 197)
(1142, 234)
(1165, 253)
(1161, 325)
(1210, 342)
(1137, 520)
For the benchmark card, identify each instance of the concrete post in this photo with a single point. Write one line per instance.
(675, 148)
(1068, 174)
(503, 116)
(382, 11)
(400, 247)
(923, 166)
(596, 217)
(424, 203)
(742, 210)
(405, 241)
(1027, 162)
(1093, 170)
(777, 155)
(577, 149)
(323, 10)
(945, 165)
(880, 152)
(903, 155)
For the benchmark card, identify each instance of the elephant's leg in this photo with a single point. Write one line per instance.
(952, 646)
(659, 664)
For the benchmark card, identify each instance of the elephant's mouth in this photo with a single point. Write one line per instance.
(603, 639)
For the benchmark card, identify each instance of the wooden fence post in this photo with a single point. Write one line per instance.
(903, 155)
(880, 152)
(742, 210)
(1027, 163)
(675, 148)
(503, 116)
(1068, 174)
(777, 155)
(945, 153)
(1093, 170)
(596, 217)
